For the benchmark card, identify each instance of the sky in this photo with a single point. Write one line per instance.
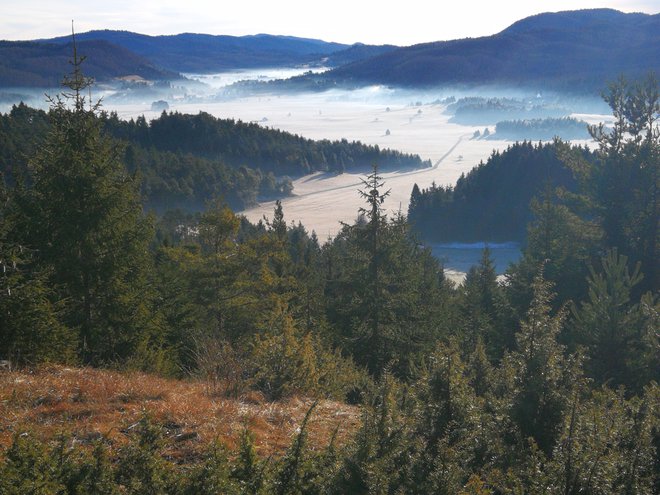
(346, 21)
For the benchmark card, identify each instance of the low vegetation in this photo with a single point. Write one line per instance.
(90, 405)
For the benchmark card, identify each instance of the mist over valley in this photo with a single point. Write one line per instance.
(454, 123)
(273, 263)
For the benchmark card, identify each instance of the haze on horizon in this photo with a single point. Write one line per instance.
(341, 21)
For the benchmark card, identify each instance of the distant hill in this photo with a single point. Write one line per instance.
(207, 53)
(356, 52)
(576, 50)
(35, 64)
(567, 50)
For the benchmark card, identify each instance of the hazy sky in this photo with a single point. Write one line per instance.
(398, 22)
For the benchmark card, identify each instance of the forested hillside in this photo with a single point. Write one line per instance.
(206, 53)
(547, 383)
(116, 54)
(575, 51)
(42, 65)
(186, 160)
(492, 202)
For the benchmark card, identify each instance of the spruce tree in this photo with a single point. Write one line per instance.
(622, 185)
(82, 215)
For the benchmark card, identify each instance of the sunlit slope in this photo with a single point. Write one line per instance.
(577, 50)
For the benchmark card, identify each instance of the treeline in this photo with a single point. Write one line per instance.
(184, 161)
(544, 384)
(236, 142)
(491, 203)
(477, 110)
(546, 129)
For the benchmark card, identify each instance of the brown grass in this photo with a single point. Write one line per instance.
(91, 403)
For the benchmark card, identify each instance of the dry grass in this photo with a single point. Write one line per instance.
(91, 403)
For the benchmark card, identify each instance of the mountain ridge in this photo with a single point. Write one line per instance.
(199, 52)
(34, 64)
(578, 51)
(537, 49)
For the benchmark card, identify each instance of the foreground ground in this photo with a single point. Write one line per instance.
(90, 403)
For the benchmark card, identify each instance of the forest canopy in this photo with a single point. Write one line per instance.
(184, 161)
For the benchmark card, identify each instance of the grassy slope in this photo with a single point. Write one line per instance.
(90, 403)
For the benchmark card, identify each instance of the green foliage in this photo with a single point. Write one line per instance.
(83, 217)
(542, 377)
(621, 186)
(375, 463)
(295, 466)
(542, 129)
(30, 328)
(288, 362)
(184, 161)
(448, 417)
(33, 467)
(383, 290)
(248, 469)
(211, 476)
(239, 142)
(472, 398)
(141, 469)
(614, 329)
(484, 310)
(606, 445)
(28, 469)
(560, 240)
(492, 202)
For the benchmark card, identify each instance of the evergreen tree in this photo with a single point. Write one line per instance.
(384, 291)
(212, 476)
(30, 326)
(83, 217)
(142, 470)
(563, 242)
(541, 377)
(606, 445)
(248, 470)
(622, 185)
(614, 329)
(485, 313)
(447, 426)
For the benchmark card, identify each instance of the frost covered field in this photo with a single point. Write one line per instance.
(321, 200)
(406, 121)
